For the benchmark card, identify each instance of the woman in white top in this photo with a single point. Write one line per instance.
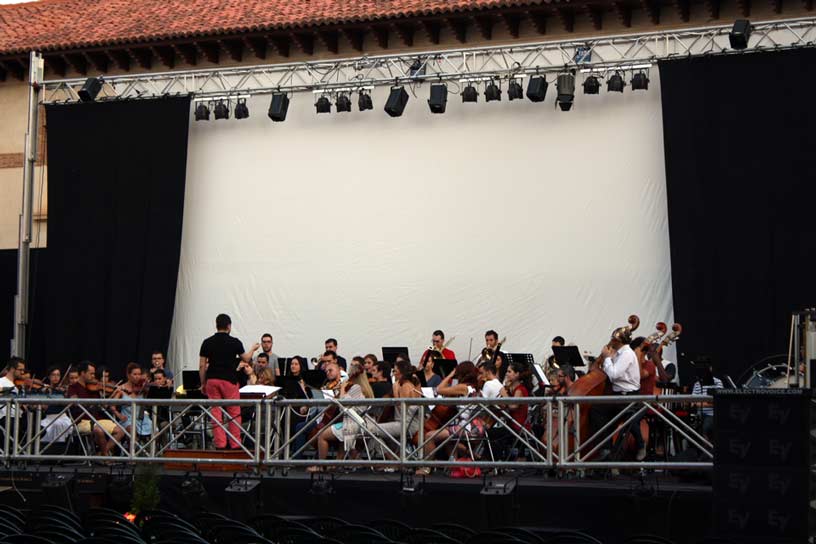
(345, 433)
(467, 380)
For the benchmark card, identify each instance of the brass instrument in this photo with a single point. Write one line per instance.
(655, 337)
(487, 353)
(436, 353)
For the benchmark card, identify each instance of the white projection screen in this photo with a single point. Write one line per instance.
(511, 216)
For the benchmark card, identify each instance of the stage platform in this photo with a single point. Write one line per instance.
(611, 507)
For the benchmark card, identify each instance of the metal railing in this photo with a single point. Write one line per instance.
(280, 433)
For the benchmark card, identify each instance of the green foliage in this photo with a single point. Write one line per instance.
(145, 488)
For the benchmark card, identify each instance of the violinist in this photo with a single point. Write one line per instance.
(517, 384)
(345, 432)
(54, 382)
(426, 367)
(13, 374)
(406, 386)
(296, 388)
(86, 374)
(335, 375)
(73, 377)
(56, 422)
(132, 389)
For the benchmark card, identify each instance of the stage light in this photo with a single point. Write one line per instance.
(244, 497)
(241, 110)
(514, 90)
(323, 105)
(364, 101)
(591, 85)
(90, 89)
(566, 91)
(537, 89)
(738, 37)
(221, 110)
(397, 100)
(343, 103)
(470, 94)
(615, 84)
(492, 92)
(640, 82)
(417, 68)
(202, 112)
(439, 98)
(278, 107)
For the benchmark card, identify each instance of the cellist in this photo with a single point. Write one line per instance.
(620, 365)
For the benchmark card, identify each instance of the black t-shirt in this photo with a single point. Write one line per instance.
(342, 362)
(381, 389)
(222, 352)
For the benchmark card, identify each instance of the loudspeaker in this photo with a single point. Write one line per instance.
(278, 107)
(90, 89)
(537, 89)
(396, 102)
(439, 98)
(762, 456)
(738, 37)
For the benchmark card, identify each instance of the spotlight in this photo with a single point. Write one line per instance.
(738, 37)
(364, 102)
(439, 98)
(566, 91)
(221, 110)
(537, 88)
(278, 107)
(90, 89)
(470, 94)
(640, 82)
(202, 112)
(591, 85)
(615, 84)
(241, 110)
(323, 105)
(343, 103)
(514, 90)
(416, 68)
(492, 92)
(397, 100)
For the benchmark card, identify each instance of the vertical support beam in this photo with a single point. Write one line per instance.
(35, 76)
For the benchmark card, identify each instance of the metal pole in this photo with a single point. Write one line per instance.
(35, 76)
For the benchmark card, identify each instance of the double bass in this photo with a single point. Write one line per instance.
(593, 384)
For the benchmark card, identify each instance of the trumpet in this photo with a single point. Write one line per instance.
(487, 353)
(435, 352)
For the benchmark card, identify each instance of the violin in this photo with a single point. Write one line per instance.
(28, 383)
(105, 388)
(329, 413)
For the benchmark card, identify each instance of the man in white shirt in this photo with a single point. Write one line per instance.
(620, 364)
(14, 371)
(491, 386)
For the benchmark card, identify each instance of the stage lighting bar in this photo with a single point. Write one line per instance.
(606, 54)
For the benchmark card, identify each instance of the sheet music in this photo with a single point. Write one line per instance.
(266, 390)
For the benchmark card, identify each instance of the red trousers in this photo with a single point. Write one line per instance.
(222, 389)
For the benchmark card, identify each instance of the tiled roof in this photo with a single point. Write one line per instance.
(76, 24)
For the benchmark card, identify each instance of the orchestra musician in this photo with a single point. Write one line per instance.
(133, 388)
(564, 378)
(406, 386)
(344, 433)
(380, 380)
(621, 367)
(331, 345)
(426, 367)
(297, 389)
(438, 349)
(558, 341)
(467, 378)
(489, 354)
(86, 374)
(157, 362)
(517, 384)
(369, 362)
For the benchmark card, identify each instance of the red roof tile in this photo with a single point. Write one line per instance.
(75, 24)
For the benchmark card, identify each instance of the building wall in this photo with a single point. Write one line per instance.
(13, 93)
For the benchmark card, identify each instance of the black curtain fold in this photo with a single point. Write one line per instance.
(116, 177)
(740, 172)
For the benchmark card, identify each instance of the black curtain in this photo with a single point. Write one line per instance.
(116, 175)
(741, 177)
(8, 289)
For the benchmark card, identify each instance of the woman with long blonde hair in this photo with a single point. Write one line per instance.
(345, 432)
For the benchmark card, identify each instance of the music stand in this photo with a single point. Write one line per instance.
(314, 378)
(443, 367)
(568, 355)
(524, 358)
(191, 381)
(390, 353)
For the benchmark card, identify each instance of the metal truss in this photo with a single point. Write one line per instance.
(602, 55)
(271, 440)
